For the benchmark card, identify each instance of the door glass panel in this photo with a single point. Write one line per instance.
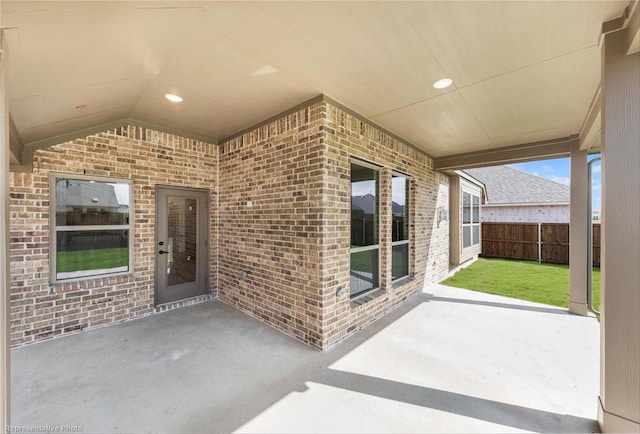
(182, 239)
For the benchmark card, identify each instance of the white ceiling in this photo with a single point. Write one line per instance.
(522, 71)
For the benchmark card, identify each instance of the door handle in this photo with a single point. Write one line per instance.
(162, 252)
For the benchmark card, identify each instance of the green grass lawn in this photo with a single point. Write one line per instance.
(91, 259)
(541, 283)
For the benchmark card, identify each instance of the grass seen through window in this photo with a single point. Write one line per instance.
(92, 259)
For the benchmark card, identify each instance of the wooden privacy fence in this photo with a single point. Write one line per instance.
(543, 242)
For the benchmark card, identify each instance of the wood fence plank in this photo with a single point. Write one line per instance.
(520, 241)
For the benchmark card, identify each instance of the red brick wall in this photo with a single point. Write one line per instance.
(41, 310)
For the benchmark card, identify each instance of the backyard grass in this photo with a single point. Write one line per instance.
(91, 259)
(541, 283)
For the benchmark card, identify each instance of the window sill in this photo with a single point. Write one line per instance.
(123, 275)
(361, 299)
(402, 281)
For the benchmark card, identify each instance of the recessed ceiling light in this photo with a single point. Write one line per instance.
(443, 83)
(173, 98)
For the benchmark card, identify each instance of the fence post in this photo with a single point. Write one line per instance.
(539, 243)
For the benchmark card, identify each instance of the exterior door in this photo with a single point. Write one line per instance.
(182, 243)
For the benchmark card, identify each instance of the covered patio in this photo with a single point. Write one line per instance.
(221, 147)
(448, 360)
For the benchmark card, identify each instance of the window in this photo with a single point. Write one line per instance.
(470, 219)
(400, 226)
(365, 248)
(90, 226)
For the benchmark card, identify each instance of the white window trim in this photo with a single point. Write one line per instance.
(53, 229)
(472, 192)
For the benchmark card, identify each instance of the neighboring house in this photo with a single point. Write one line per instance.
(516, 196)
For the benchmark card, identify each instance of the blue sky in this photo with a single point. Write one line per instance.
(559, 170)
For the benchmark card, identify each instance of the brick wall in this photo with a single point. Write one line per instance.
(280, 224)
(271, 182)
(285, 222)
(346, 137)
(40, 310)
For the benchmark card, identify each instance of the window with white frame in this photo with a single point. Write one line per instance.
(400, 226)
(91, 231)
(365, 247)
(470, 219)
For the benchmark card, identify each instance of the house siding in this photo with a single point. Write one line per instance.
(526, 214)
(39, 309)
(457, 254)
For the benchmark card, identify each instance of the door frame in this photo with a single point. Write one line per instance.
(206, 236)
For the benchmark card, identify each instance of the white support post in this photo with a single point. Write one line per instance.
(5, 371)
(619, 406)
(578, 231)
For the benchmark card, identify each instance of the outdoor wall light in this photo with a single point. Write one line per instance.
(173, 98)
(443, 214)
(341, 293)
(443, 83)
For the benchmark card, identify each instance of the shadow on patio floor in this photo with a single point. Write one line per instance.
(429, 366)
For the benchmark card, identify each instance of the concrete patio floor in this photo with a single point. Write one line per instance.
(449, 360)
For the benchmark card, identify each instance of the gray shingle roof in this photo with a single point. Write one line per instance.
(507, 185)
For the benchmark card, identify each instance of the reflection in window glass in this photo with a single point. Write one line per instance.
(364, 271)
(466, 236)
(399, 261)
(364, 206)
(466, 208)
(476, 234)
(399, 208)
(400, 226)
(476, 209)
(364, 229)
(90, 203)
(88, 253)
(91, 230)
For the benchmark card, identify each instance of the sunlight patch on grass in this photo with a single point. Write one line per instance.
(541, 283)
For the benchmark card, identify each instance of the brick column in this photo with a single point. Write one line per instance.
(385, 223)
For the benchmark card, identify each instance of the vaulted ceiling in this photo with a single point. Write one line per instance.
(521, 71)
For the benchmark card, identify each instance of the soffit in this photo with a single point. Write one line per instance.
(522, 71)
